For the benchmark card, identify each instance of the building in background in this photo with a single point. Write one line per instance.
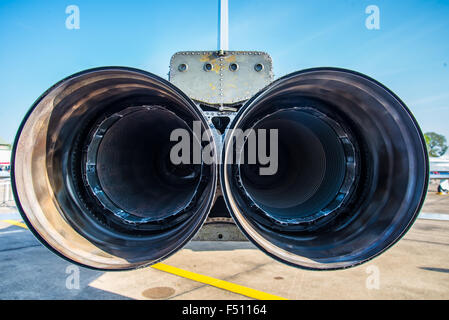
(5, 158)
(439, 169)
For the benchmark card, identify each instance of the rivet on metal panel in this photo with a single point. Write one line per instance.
(182, 67)
(258, 67)
(207, 67)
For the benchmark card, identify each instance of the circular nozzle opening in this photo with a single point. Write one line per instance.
(93, 175)
(351, 174)
(315, 161)
(129, 169)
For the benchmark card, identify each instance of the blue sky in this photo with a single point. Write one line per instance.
(409, 54)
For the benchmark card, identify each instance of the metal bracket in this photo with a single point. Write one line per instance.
(221, 79)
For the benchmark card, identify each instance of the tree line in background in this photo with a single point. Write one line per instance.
(436, 144)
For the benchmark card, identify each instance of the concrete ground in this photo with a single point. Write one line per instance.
(415, 268)
(436, 203)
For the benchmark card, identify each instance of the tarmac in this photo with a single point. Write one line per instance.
(417, 267)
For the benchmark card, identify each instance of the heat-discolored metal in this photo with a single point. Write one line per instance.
(221, 78)
(78, 176)
(390, 171)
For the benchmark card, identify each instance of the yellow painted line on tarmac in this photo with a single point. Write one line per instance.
(222, 284)
(16, 223)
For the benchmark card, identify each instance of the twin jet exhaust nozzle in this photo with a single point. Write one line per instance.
(95, 180)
